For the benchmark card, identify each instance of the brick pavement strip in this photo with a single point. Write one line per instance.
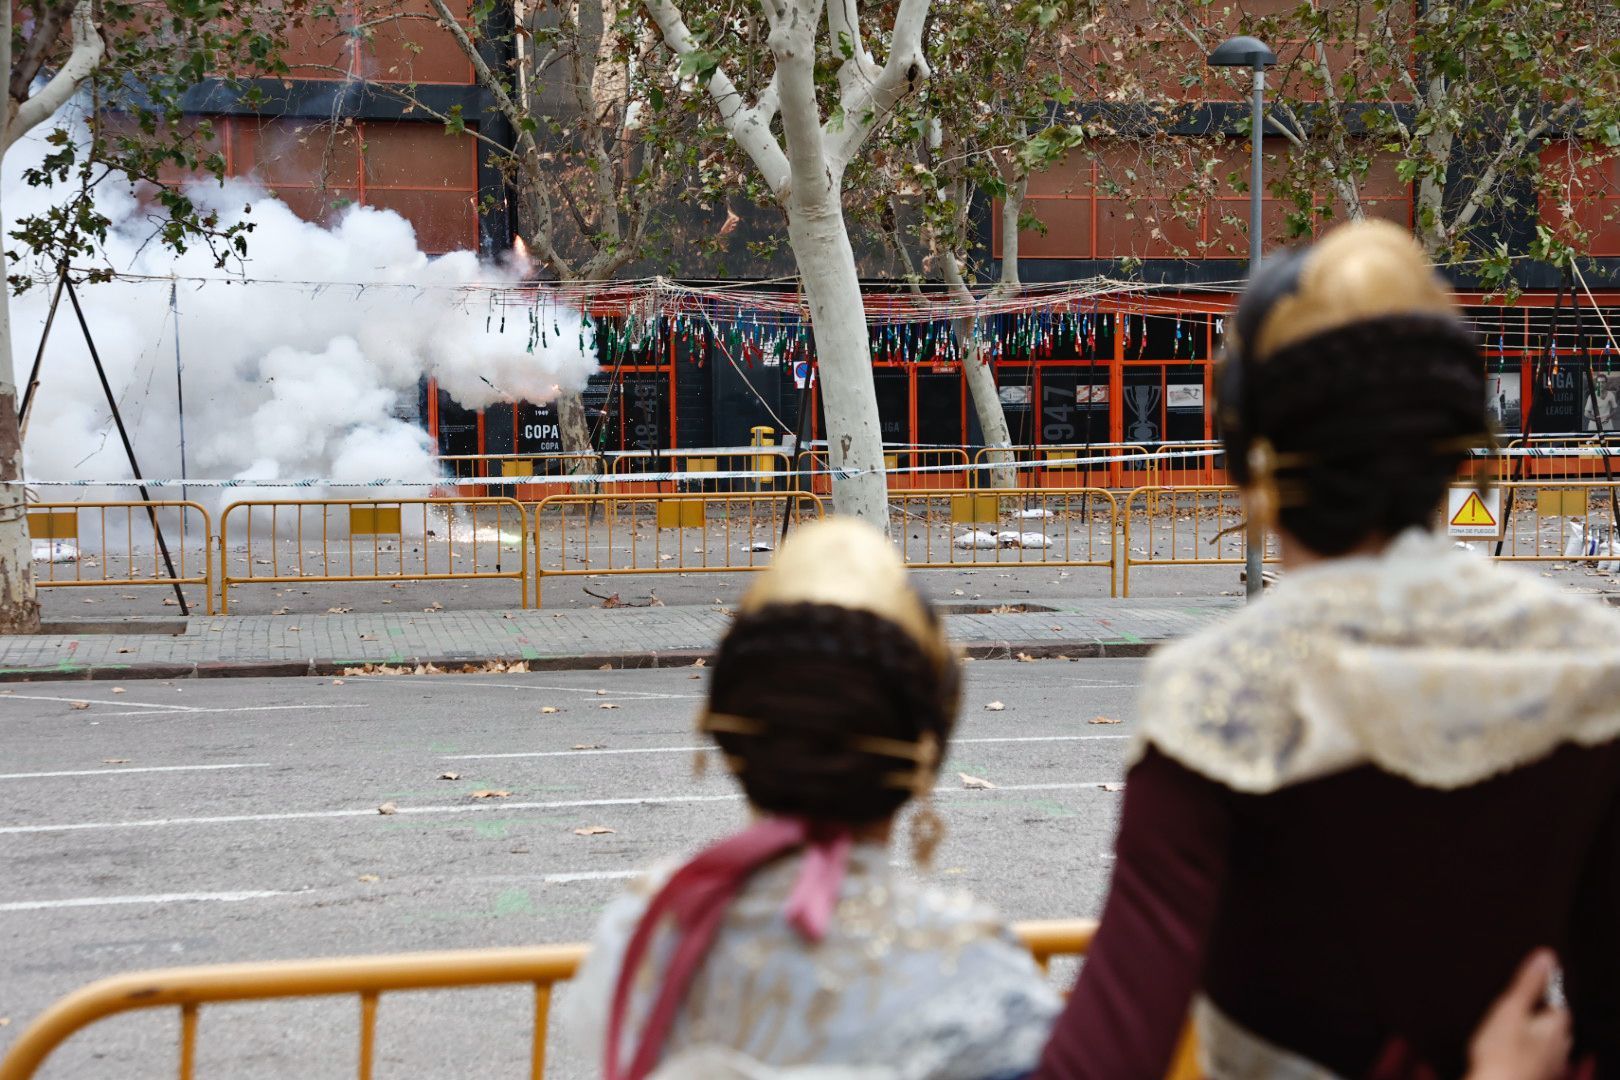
(274, 645)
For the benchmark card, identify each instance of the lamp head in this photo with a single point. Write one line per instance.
(1243, 51)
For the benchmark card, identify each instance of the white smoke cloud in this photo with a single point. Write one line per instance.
(281, 380)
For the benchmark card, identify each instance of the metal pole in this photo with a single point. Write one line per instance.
(39, 357)
(129, 450)
(1255, 548)
(179, 386)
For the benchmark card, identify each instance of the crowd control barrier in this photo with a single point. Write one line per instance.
(1196, 526)
(1072, 527)
(1094, 465)
(586, 535)
(365, 540)
(1167, 467)
(1560, 521)
(369, 977)
(112, 544)
(1567, 457)
(947, 468)
(633, 472)
(587, 464)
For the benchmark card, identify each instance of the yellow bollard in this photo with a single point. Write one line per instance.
(762, 436)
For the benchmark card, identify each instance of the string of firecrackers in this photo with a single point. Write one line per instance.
(835, 472)
(659, 297)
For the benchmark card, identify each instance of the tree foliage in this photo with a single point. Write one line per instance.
(135, 122)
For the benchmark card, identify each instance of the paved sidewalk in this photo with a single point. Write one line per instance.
(263, 645)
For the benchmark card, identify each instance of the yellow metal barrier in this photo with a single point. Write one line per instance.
(369, 977)
(371, 540)
(589, 465)
(625, 468)
(1166, 469)
(1189, 526)
(814, 462)
(1008, 527)
(1575, 458)
(661, 534)
(1543, 520)
(1079, 465)
(109, 536)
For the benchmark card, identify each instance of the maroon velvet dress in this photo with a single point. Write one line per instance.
(1356, 807)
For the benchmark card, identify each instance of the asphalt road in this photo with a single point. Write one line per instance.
(237, 820)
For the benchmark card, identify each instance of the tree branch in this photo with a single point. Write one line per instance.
(858, 69)
(528, 158)
(749, 127)
(1486, 184)
(81, 62)
(46, 30)
(905, 70)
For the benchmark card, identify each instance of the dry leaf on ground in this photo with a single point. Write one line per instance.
(605, 667)
(115, 761)
(118, 689)
(1102, 720)
(594, 830)
(607, 705)
(449, 776)
(79, 704)
(700, 662)
(387, 808)
(549, 709)
(488, 793)
(1113, 787)
(995, 706)
(339, 610)
(974, 782)
(601, 693)
(588, 746)
(369, 878)
(124, 650)
(337, 682)
(1025, 658)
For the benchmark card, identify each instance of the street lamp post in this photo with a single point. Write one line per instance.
(1251, 53)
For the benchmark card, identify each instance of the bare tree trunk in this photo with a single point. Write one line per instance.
(575, 433)
(981, 382)
(19, 603)
(844, 354)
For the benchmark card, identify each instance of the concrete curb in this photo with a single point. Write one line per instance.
(457, 665)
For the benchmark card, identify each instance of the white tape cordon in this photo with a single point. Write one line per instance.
(1053, 464)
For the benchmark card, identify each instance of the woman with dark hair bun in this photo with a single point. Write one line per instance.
(793, 945)
(1357, 805)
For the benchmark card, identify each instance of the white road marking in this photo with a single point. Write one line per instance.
(171, 707)
(114, 770)
(637, 695)
(157, 898)
(690, 749)
(132, 708)
(472, 808)
(235, 709)
(591, 875)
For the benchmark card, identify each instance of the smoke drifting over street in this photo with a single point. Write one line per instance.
(280, 379)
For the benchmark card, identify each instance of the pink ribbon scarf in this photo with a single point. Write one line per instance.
(695, 899)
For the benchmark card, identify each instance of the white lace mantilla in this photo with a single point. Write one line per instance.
(1428, 661)
(911, 983)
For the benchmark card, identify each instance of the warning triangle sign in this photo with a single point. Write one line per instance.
(1474, 512)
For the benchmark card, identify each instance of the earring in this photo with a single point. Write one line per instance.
(1261, 494)
(927, 830)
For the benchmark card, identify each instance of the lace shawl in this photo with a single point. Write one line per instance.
(911, 982)
(1427, 661)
